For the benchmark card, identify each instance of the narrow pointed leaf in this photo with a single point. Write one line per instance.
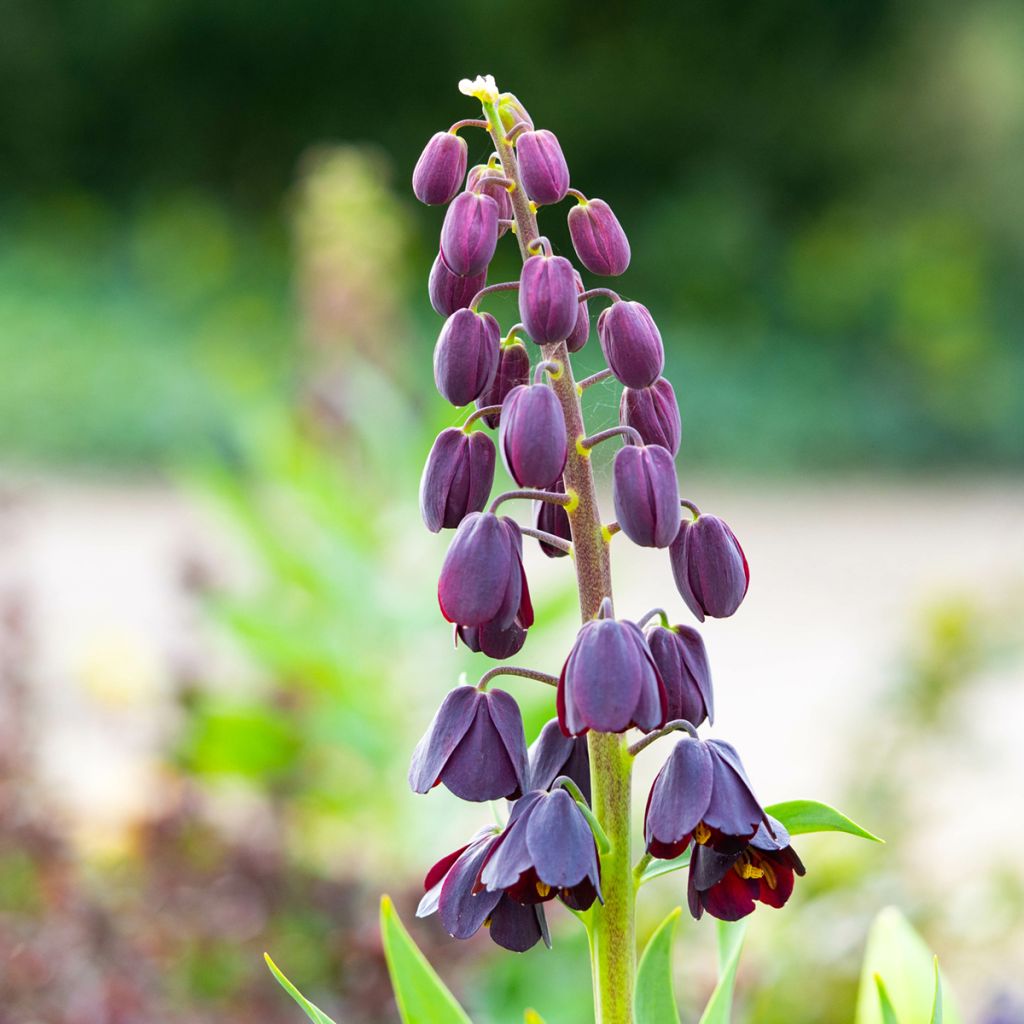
(314, 1013)
(532, 1017)
(730, 945)
(885, 1003)
(654, 1001)
(937, 998)
(421, 996)
(657, 868)
(803, 816)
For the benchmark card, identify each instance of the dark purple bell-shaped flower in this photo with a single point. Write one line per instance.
(598, 238)
(494, 641)
(709, 567)
(683, 663)
(548, 298)
(645, 493)
(701, 793)
(726, 884)
(448, 291)
(580, 334)
(609, 682)
(513, 370)
(553, 755)
(542, 167)
(546, 850)
(482, 578)
(466, 355)
(450, 892)
(532, 435)
(457, 478)
(491, 182)
(475, 746)
(631, 343)
(469, 234)
(552, 518)
(653, 413)
(440, 169)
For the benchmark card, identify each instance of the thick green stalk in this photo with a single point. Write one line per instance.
(612, 931)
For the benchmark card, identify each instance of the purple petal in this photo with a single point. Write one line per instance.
(681, 793)
(560, 842)
(449, 726)
(508, 721)
(461, 910)
(509, 857)
(517, 926)
(479, 768)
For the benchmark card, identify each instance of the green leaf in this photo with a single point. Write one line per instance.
(532, 1017)
(421, 996)
(654, 1000)
(803, 816)
(884, 1002)
(314, 1013)
(730, 945)
(657, 868)
(900, 956)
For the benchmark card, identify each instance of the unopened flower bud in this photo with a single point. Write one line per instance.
(513, 370)
(449, 291)
(490, 181)
(440, 169)
(469, 234)
(645, 493)
(489, 639)
(512, 112)
(682, 661)
(653, 413)
(466, 355)
(532, 435)
(580, 334)
(598, 238)
(542, 167)
(457, 478)
(709, 567)
(553, 519)
(631, 343)
(548, 298)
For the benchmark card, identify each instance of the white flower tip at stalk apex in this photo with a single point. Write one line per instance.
(483, 87)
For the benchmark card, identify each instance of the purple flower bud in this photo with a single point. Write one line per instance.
(709, 567)
(491, 182)
(701, 793)
(546, 850)
(683, 663)
(631, 343)
(482, 579)
(542, 167)
(440, 169)
(466, 355)
(457, 478)
(548, 298)
(645, 493)
(469, 234)
(532, 435)
(552, 518)
(488, 639)
(609, 682)
(580, 334)
(598, 238)
(653, 413)
(475, 746)
(553, 754)
(448, 291)
(513, 370)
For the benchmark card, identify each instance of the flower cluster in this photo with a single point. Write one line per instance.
(619, 674)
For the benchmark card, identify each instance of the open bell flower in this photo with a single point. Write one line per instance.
(709, 567)
(645, 493)
(546, 850)
(682, 660)
(552, 755)
(701, 794)
(726, 883)
(457, 478)
(531, 435)
(466, 356)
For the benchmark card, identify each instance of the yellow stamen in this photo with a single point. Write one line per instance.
(543, 890)
(702, 833)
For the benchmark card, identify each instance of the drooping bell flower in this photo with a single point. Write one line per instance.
(548, 298)
(457, 478)
(552, 755)
(726, 884)
(531, 435)
(609, 682)
(631, 343)
(702, 794)
(682, 660)
(448, 291)
(466, 355)
(491, 182)
(475, 746)
(482, 578)
(645, 493)
(598, 238)
(709, 567)
(653, 413)
(513, 370)
(542, 167)
(450, 892)
(553, 519)
(469, 234)
(439, 171)
(580, 334)
(546, 850)
(496, 642)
